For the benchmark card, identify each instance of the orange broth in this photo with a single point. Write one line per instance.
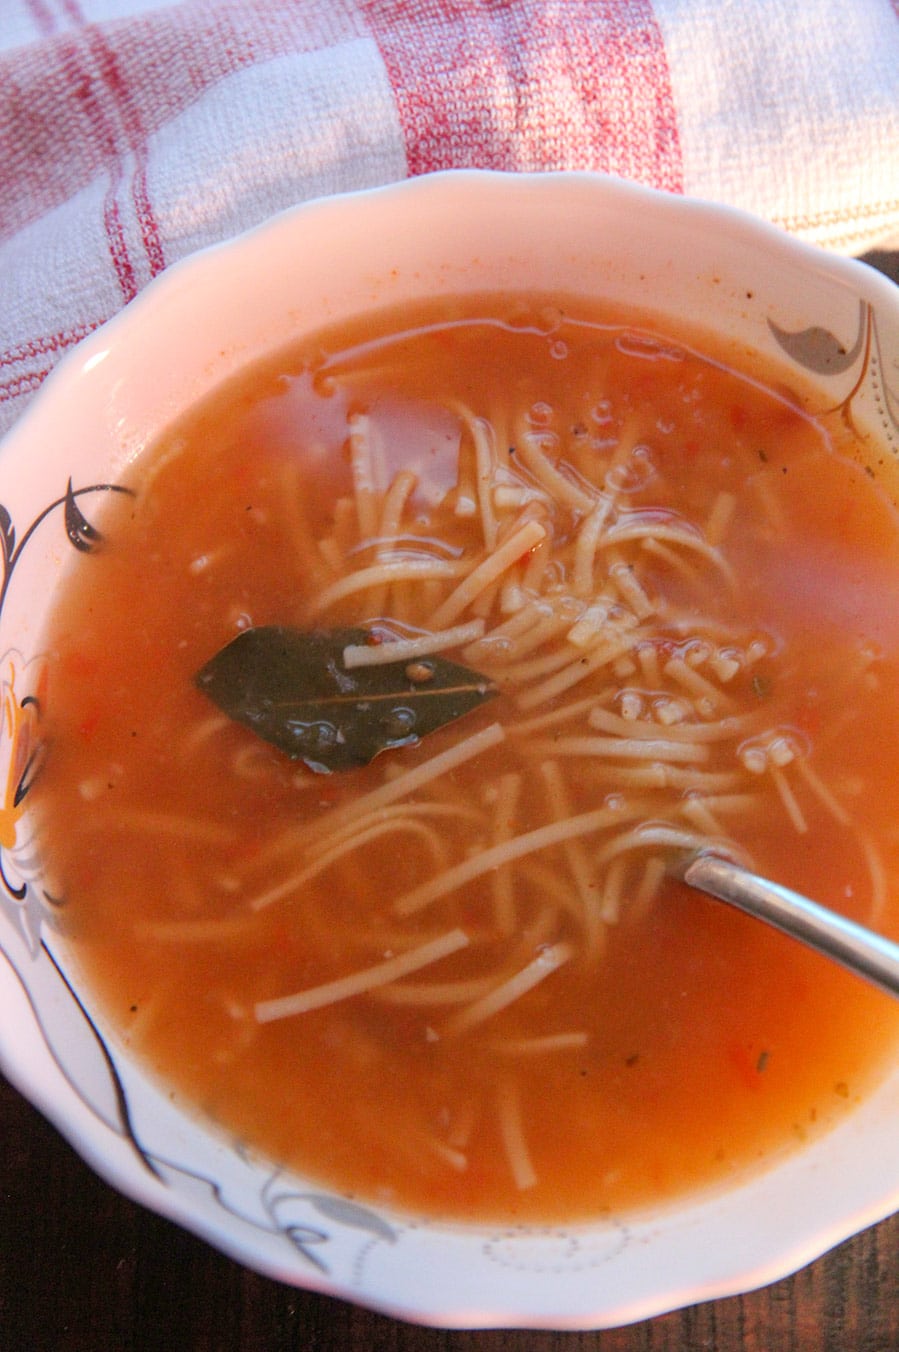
(669, 1044)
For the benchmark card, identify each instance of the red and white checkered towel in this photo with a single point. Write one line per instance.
(134, 131)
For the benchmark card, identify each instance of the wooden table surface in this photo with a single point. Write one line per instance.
(84, 1270)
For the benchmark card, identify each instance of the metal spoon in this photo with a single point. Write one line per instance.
(859, 949)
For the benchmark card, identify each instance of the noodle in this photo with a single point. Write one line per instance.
(402, 650)
(547, 961)
(540, 1046)
(530, 534)
(521, 1165)
(485, 462)
(577, 670)
(789, 800)
(586, 823)
(362, 461)
(628, 748)
(355, 842)
(286, 1006)
(585, 550)
(409, 782)
(558, 486)
(575, 854)
(508, 793)
(605, 721)
(390, 571)
(461, 812)
(395, 500)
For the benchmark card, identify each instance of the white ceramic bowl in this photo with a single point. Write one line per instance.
(195, 325)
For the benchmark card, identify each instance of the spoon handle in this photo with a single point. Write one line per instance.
(857, 948)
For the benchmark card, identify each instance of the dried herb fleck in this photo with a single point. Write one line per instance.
(761, 685)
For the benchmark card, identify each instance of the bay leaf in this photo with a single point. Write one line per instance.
(291, 688)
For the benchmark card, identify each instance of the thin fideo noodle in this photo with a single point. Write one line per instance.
(407, 783)
(406, 649)
(358, 983)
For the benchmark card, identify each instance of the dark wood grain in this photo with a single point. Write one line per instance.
(84, 1270)
(885, 261)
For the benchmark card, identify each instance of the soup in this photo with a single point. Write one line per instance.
(453, 972)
